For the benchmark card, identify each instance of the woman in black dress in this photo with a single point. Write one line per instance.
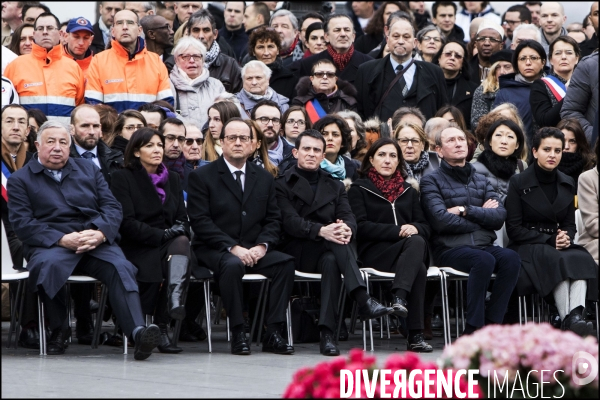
(541, 227)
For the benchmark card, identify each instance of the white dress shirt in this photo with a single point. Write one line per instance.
(409, 75)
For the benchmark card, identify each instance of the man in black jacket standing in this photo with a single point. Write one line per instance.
(319, 226)
(233, 210)
(422, 84)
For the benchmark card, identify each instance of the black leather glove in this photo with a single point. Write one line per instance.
(174, 231)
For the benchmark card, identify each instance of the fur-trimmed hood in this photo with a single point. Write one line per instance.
(344, 98)
(304, 87)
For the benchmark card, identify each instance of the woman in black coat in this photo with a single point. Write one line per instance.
(541, 227)
(393, 232)
(155, 229)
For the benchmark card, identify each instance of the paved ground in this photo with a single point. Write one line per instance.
(83, 372)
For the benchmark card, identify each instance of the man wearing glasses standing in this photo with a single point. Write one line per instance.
(127, 75)
(268, 116)
(515, 16)
(232, 203)
(45, 79)
(489, 40)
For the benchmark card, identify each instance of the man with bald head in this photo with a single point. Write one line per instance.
(552, 19)
(158, 35)
(464, 211)
(115, 80)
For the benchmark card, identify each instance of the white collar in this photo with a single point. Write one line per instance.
(232, 169)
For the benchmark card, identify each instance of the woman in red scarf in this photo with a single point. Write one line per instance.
(393, 232)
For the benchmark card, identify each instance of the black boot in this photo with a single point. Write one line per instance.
(177, 285)
(165, 345)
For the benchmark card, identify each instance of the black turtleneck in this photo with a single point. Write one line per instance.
(547, 180)
(311, 176)
(461, 174)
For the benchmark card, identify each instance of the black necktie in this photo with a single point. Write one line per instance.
(401, 81)
(238, 179)
(88, 155)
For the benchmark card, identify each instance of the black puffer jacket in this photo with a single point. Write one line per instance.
(343, 99)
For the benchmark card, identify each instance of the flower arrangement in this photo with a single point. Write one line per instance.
(323, 380)
(515, 357)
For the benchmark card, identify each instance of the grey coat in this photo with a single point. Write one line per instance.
(481, 105)
(500, 185)
(248, 103)
(581, 100)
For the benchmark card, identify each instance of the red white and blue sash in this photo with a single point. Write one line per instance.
(314, 110)
(558, 89)
(5, 176)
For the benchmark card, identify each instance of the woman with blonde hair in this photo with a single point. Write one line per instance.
(485, 94)
(260, 156)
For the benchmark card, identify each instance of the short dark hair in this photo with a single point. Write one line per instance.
(264, 102)
(334, 16)
(465, 69)
(547, 132)
(263, 34)
(533, 3)
(321, 62)
(20, 107)
(342, 125)
(379, 143)
(172, 121)
(31, 4)
(568, 40)
(524, 13)
(312, 14)
(235, 119)
(532, 44)
(36, 114)
(47, 14)
(313, 133)
(200, 16)
(150, 108)
(139, 139)
(438, 4)
(290, 110)
(262, 9)
(513, 126)
(457, 114)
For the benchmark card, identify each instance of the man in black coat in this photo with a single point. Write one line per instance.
(233, 210)
(68, 220)
(319, 225)
(102, 35)
(340, 34)
(422, 85)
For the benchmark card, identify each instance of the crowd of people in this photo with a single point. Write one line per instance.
(169, 137)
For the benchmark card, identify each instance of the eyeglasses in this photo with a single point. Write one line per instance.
(530, 58)
(322, 74)
(491, 39)
(428, 38)
(456, 55)
(188, 57)
(47, 28)
(133, 127)
(127, 22)
(234, 138)
(190, 141)
(166, 26)
(404, 141)
(172, 138)
(265, 120)
(292, 122)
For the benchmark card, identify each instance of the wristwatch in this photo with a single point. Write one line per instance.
(461, 210)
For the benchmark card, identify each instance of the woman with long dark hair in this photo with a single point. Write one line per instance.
(577, 156)
(218, 115)
(155, 230)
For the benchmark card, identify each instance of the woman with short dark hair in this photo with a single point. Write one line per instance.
(338, 139)
(541, 227)
(155, 230)
(393, 233)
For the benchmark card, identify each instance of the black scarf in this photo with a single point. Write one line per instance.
(461, 174)
(571, 164)
(276, 65)
(500, 167)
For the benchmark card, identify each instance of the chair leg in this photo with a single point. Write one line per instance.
(462, 305)
(69, 311)
(525, 308)
(533, 308)
(42, 326)
(382, 318)
(288, 315)
(456, 308)
(257, 310)
(520, 313)
(20, 315)
(99, 315)
(13, 299)
(597, 323)
(207, 312)
(445, 309)
(366, 277)
(262, 313)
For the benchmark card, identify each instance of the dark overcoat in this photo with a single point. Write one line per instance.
(222, 217)
(145, 218)
(531, 221)
(427, 92)
(43, 210)
(304, 66)
(379, 222)
(304, 212)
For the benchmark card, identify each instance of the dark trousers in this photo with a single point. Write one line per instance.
(126, 305)
(228, 275)
(411, 275)
(334, 261)
(480, 264)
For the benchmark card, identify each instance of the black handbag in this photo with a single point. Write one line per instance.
(305, 320)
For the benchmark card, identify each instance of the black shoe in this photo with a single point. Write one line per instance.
(197, 330)
(239, 345)
(436, 322)
(145, 341)
(327, 346)
(555, 321)
(29, 338)
(274, 343)
(57, 343)
(372, 309)
(165, 345)
(399, 305)
(84, 332)
(177, 285)
(574, 322)
(185, 335)
(343, 332)
(418, 344)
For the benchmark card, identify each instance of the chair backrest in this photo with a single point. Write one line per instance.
(579, 225)
(501, 237)
(7, 262)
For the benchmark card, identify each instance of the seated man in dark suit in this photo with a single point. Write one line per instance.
(68, 220)
(319, 226)
(233, 211)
